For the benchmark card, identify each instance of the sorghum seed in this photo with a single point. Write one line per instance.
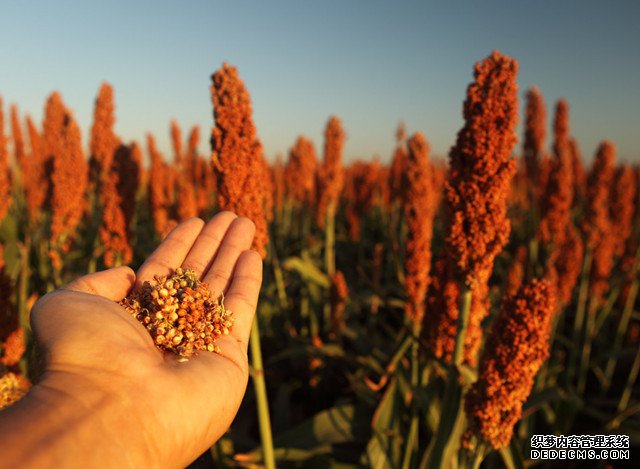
(179, 313)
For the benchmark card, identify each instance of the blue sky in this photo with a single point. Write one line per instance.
(372, 63)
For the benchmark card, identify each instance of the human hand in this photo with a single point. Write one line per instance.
(97, 354)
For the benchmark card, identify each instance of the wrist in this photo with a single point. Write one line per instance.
(67, 420)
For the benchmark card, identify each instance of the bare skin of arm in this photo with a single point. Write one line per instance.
(108, 397)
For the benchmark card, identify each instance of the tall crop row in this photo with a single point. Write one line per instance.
(420, 313)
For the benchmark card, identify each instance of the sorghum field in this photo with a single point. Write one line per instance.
(414, 313)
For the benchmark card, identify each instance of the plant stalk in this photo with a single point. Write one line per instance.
(628, 389)
(625, 317)
(463, 325)
(260, 388)
(578, 325)
(330, 238)
(452, 391)
(412, 437)
(586, 348)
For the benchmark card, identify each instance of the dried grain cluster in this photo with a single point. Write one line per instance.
(180, 313)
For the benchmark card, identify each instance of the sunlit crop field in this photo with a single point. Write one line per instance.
(415, 311)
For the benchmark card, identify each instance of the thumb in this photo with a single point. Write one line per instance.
(113, 284)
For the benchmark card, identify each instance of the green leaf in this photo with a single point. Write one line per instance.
(316, 436)
(384, 448)
(307, 270)
(511, 456)
(470, 375)
(331, 426)
(446, 442)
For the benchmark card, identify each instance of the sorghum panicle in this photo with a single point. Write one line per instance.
(5, 180)
(535, 133)
(519, 193)
(544, 169)
(200, 172)
(18, 140)
(103, 142)
(237, 152)
(579, 172)
(477, 190)
(516, 348)
(300, 172)
(557, 232)
(331, 172)
(561, 130)
(517, 270)
(360, 189)
(339, 293)
(192, 156)
(36, 182)
(481, 168)
(564, 265)
(206, 184)
(157, 194)
(119, 188)
(69, 176)
(12, 345)
(623, 207)
(398, 165)
(597, 225)
(558, 197)
(419, 210)
(176, 142)
(187, 202)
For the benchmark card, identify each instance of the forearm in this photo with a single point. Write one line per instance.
(52, 427)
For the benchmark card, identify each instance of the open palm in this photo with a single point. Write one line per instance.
(88, 340)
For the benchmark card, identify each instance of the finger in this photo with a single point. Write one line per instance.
(204, 249)
(113, 284)
(237, 239)
(242, 297)
(172, 250)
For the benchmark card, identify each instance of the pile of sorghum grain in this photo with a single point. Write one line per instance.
(180, 313)
(12, 388)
